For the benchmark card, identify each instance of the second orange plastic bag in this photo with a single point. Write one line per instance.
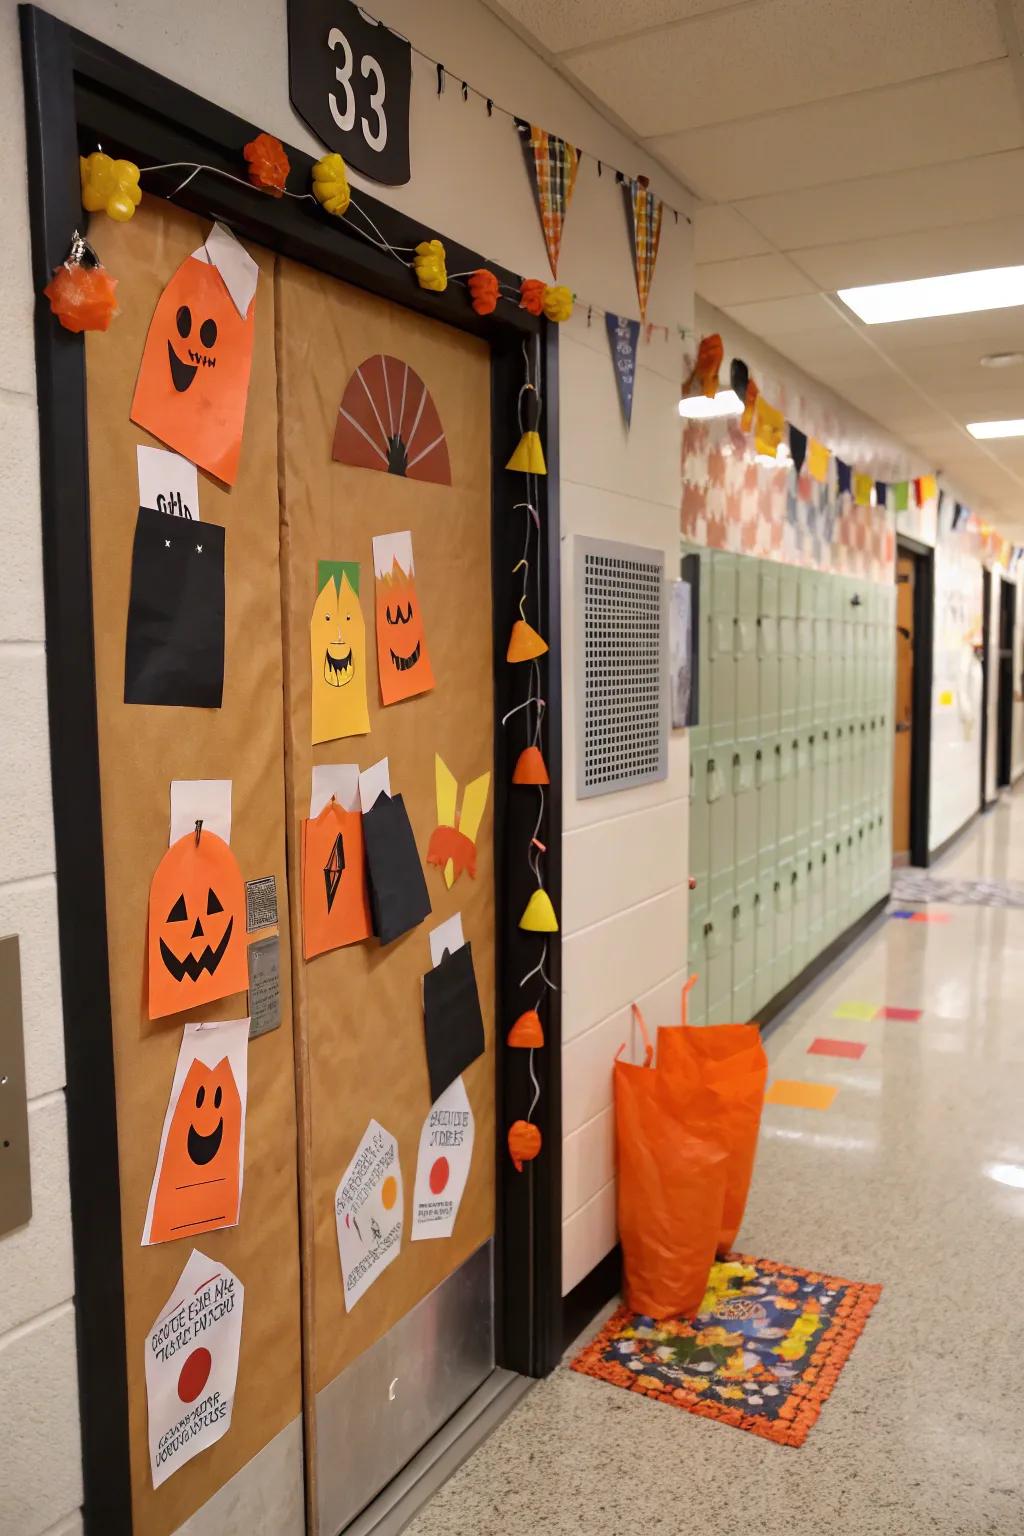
(671, 1186)
(720, 1069)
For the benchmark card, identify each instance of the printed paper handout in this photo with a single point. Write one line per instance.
(192, 1365)
(196, 943)
(194, 379)
(402, 657)
(174, 638)
(368, 1208)
(337, 650)
(197, 1186)
(442, 1165)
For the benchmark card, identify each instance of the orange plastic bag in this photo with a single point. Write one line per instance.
(723, 1067)
(671, 1187)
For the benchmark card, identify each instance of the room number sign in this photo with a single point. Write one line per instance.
(349, 79)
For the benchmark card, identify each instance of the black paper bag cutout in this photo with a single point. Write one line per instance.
(174, 648)
(452, 1020)
(398, 891)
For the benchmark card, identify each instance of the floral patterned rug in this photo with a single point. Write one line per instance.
(763, 1353)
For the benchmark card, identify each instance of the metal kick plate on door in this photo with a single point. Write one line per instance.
(15, 1178)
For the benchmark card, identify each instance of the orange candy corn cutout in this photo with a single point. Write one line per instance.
(530, 767)
(524, 642)
(527, 1033)
(196, 943)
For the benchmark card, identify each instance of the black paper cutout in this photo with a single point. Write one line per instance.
(452, 1021)
(398, 891)
(334, 869)
(797, 447)
(174, 646)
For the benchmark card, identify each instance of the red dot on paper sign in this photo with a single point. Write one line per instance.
(195, 1373)
(439, 1176)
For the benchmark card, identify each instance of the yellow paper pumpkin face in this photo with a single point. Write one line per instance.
(337, 654)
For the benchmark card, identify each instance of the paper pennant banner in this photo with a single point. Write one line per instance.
(926, 488)
(368, 1208)
(797, 447)
(643, 212)
(881, 494)
(553, 164)
(901, 496)
(197, 1186)
(862, 488)
(769, 425)
(442, 1166)
(623, 335)
(817, 460)
(844, 477)
(192, 1365)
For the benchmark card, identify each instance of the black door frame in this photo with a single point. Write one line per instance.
(78, 93)
(1007, 625)
(986, 621)
(923, 557)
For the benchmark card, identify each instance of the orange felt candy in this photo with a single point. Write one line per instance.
(705, 370)
(82, 297)
(527, 1033)
(531, 767)
(449, 843)
(483, 291)
(268, 163)
(531, 295)
(524, 1143)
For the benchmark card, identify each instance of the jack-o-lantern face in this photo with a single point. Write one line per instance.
(198, 1183)
(194, 378)
(337, 651)
(196, 926)
(402, 655)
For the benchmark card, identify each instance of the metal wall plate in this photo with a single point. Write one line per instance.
(15, 1176)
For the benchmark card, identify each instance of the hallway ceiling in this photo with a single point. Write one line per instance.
(833, 143)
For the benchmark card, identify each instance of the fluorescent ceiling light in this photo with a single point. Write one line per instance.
(960, 293)
(1006, 1173)
(699, 408)
(996, 428)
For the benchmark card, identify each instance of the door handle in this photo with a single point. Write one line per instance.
(901, 727)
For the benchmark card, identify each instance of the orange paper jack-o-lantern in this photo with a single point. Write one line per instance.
(196, 947)
(524, 1143)
(198, 1186)
(194, 378)
(403, 661)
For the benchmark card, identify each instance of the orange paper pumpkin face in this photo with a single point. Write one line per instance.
(194, 378)
(196, 926)
(198, 1186)
(335, 898)
(402, 658)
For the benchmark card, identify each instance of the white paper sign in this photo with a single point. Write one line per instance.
(205, 800)
(237, 269)
(442, 1164)
(368, 1207)
(201, 1188)
(338, 779)
(373, 782)
(389, 547)
(446, 936)
(168, 483)
(192, 1365)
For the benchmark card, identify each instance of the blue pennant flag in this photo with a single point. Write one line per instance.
(623, 335)
(844, 476)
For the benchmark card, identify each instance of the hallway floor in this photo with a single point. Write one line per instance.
(913, 1178)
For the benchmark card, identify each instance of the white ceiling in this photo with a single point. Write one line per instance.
(832, 143)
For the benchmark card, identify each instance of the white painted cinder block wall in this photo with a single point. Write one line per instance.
(624, 911)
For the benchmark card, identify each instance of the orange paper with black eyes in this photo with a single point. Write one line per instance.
(335, 897)
(198, 1182)
(403, 661)
(194, 379)
(196, 946)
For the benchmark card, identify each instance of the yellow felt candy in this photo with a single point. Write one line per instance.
(558, 302)
(330, 185)
(429, 266)
(109, 186)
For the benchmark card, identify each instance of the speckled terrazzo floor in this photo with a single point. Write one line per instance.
(914, 1178)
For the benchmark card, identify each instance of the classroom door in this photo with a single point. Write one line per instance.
(903, 713)
(398, 1327)
(1007, 626)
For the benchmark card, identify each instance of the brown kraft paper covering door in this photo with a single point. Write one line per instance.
(143, 747)
(359, 1013)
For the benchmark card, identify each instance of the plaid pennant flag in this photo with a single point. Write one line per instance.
(553, 164)
(643, 213)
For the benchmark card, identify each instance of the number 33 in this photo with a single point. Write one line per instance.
(345, 116)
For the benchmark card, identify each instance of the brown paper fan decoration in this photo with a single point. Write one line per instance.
(388, 421)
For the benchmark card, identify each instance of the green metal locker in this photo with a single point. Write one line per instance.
(743, 951)
(722, 650)
(721, 823)
(748, 698)
(807, 596)
(800, 949)
(786, 763)
(718, 961)
(782, 888)
(700, 865)
(764, 942)
(766, 778)
(788, 649)
(745, 802)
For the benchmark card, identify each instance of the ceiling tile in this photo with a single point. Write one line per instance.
(563, 24)
(779, 317)
(927, 253)
(750, 278)
(990, 330)
(970, 112)
(721, 234)
(927, 197)
(773, 54)
(830, 353)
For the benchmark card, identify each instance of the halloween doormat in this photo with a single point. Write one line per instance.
(914, 887)
(763, 1353)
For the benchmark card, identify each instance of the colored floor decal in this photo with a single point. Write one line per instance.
(800, 1095)
(852, 1049)
(907, 1015)
(763, 1354)
(863, 1012)
(916, 887)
